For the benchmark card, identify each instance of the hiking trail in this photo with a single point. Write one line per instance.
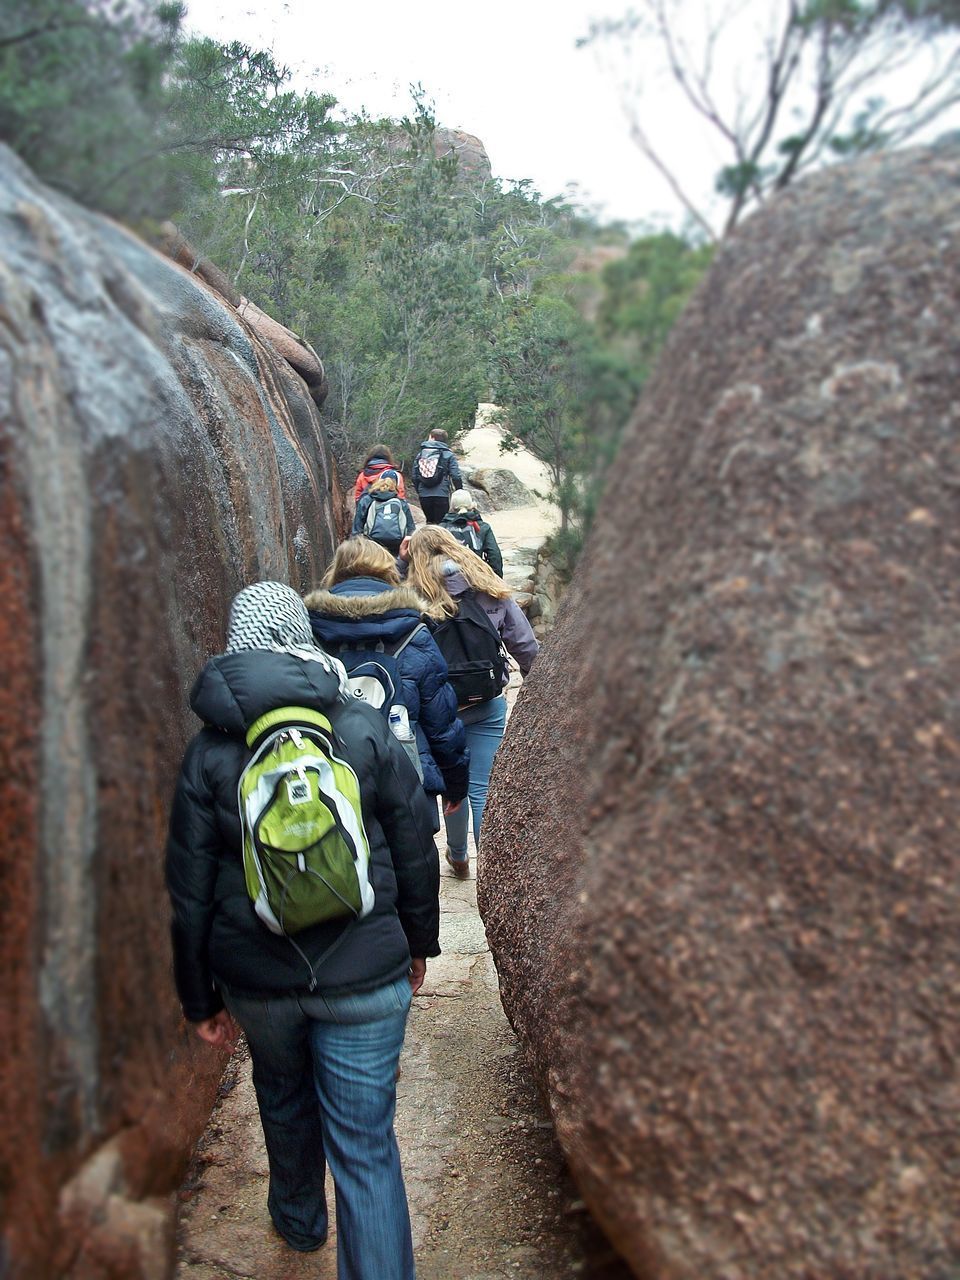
(488, 1190)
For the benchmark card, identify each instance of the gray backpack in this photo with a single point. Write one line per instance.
(385, 521)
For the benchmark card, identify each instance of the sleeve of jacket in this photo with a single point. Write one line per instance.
(361, 513)
(359, 486)
(442, 727)
(192, 862)
(411, 523)
(404, 813)
(455, 477)
(491, 550)
(517, 635)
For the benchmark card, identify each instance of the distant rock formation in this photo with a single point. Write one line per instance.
(725, 904)
(469, 150)
(157, 455)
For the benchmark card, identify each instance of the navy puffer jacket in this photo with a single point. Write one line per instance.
(364, 611)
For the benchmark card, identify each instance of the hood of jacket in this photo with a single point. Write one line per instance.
(435, 444)
(234, 689)
(460, 519)
(454, 580)
(361, 609)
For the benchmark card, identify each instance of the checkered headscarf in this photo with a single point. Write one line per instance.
(270, 615)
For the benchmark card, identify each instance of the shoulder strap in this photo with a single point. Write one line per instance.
(406, 640)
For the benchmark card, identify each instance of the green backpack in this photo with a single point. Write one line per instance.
(305, 850)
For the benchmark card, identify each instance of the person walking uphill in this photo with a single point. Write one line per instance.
(361, 605)
(383, 515)
(378, 460)
(464, 522)
(318, 970)
(480, 616)
(436, 473)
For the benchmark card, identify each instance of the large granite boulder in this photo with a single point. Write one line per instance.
(725, 904)
(502, 488)
(156, 456)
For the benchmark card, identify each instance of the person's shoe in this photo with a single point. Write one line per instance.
(460, 866)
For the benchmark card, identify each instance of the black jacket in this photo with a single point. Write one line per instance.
(457, 521)
(217, 938)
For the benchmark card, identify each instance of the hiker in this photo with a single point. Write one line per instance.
(361, 604)
(464, 523)
(323, 1005)
(383, 515)
(378, 460)
(471, 597)
(436, 473)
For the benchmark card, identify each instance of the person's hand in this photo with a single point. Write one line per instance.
(451, 806)
(221, 1031)
(418, 971)
(404, 552)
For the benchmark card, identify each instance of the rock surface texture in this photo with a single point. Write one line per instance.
(724, 904)
(156, 456)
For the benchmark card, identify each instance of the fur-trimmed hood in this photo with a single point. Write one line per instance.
(362, 613)
(339, 604)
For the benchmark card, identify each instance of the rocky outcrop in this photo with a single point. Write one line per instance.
(501, 488)
(157, 455)
(472, 158)
(724, 907)
(298, 354)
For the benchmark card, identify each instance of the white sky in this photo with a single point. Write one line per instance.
(509, 72)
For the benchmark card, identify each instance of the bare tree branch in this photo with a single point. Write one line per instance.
(643, 142)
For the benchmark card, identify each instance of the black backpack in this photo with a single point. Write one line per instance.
(471, 646)
(468, 535)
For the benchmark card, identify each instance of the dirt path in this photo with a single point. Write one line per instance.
(488, 1190)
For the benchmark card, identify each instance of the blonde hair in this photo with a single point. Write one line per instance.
(383, 484)
(361, 558)
(430, 548)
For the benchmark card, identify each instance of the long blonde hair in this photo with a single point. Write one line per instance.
(383, 484)
(361, 558)
(430, 548)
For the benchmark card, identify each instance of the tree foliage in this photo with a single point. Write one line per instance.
(426, 288)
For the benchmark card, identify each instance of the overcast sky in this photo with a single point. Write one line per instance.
(508, 71)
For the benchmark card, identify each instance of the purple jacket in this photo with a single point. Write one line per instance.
(508, 618)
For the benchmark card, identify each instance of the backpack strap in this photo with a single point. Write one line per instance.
(406, 640)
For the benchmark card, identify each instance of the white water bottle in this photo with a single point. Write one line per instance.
(400, 722)
(400, 727)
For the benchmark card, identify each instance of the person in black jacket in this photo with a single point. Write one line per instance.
(464, 522)
(324, 1014)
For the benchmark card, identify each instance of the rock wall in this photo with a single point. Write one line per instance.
(156, 455)
(725, 907)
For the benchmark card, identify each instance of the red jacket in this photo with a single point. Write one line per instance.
(375, 468)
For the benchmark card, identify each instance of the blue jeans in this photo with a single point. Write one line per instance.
(484, 725)
(325, 1070)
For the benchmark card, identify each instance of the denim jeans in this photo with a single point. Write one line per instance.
(324, 1069)
(484, 725)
